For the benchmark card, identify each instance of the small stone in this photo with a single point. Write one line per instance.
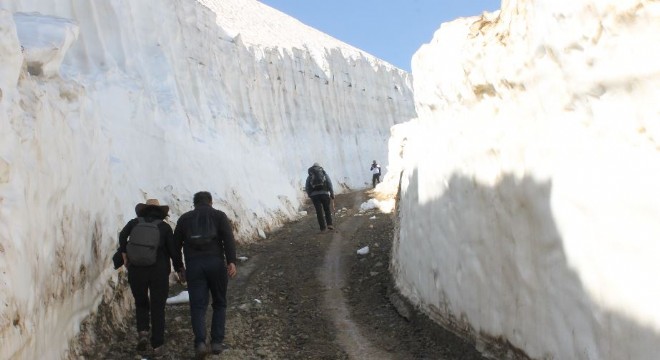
(262, 352)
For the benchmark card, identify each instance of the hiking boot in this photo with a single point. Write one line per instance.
(217, 348)
(201, 351)
(159, 352)
(330, 227)
(143, 341)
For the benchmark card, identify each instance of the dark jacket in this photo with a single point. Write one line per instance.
(225, 244)
(166, 250)
(308, 184)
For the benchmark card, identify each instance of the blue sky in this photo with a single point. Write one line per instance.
(392, 30)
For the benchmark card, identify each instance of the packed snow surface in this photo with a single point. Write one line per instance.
(529, 207)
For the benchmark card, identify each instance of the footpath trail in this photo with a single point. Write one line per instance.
(302, 294)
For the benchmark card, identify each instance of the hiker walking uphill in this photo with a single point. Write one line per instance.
(319, 188)
(375, 173)
(146, 245)
(207, 240)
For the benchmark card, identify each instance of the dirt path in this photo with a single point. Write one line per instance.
(302, 294)
(333, 276)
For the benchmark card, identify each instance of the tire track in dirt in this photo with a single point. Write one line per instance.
(333, 277)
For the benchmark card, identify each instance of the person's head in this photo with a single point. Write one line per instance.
(374, 162)
(316, 165)
(152, 208)
(202, 198)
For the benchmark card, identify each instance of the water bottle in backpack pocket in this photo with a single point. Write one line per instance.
(143, 243)
(202, 231)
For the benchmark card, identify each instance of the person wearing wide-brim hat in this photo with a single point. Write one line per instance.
(149, 280)
(149, 205)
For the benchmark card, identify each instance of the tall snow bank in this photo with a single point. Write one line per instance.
(529, 206)
(148, 99)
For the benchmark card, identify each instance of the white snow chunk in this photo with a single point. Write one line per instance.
(243, 258)
(302, 213)
(179, 299)
(363, 251)
(261, 233)
(373, 217)
(369, 205)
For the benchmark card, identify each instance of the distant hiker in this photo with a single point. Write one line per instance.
(319, 188)
(147, 246)
(375, 173)
(205, 234)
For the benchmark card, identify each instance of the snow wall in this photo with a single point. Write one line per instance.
(530, 209)
(107, 103)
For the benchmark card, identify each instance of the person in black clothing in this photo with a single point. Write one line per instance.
(150, 284)
(321, 195)
(205, 267)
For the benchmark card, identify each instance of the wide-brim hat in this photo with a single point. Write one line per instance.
(151, 203)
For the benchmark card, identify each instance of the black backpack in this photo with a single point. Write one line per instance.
(143, 243)
(318, 180)
(202, 231)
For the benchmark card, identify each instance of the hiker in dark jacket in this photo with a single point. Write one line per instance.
(321, 193)
(150, 283)
(206, 236)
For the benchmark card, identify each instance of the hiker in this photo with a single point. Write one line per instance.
(147, 246)
(205, 234)
(375, 173)
(319, 188)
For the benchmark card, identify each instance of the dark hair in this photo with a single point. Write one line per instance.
(202, 197)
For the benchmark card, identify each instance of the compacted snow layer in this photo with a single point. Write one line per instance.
(104, 104)
(529, 206)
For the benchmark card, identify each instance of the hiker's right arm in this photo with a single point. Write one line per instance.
(124, 233)
(308, 186)
(175, 255)
(178, 237)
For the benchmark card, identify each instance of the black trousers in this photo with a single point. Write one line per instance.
(375, 179)
(207, 274)
(150, 286)
(322, 206)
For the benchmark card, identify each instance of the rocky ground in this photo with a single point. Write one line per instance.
(302, 294)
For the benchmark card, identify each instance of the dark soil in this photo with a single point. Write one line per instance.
(281, 308)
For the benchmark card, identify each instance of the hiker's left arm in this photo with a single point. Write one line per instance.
(231, 270)
(332, 192)
(226, 234)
